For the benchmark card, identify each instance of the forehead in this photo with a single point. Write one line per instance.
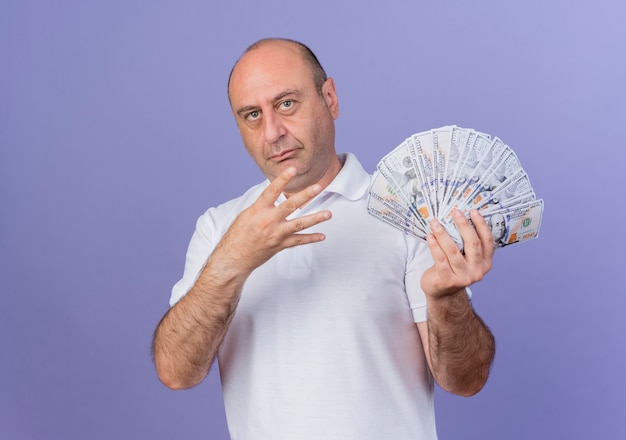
(267, 71)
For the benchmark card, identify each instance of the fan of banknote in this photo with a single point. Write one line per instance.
(435, 172)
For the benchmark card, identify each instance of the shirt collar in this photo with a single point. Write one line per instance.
(352, 181)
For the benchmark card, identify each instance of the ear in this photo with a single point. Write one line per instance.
(329, 94)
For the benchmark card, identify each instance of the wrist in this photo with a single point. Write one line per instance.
(449, 304)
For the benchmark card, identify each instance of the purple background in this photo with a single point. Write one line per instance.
(115, 135)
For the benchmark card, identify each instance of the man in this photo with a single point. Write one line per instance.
(327, 323)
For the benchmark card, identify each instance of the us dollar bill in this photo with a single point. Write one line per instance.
(516, 224)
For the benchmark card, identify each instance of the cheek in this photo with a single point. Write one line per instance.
(251, 142)
(322, 132)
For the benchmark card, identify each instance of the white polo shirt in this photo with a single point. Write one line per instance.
(323, 344)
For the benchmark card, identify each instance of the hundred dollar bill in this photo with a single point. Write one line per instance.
(391, 217)
(421, 149)
(516, 224)
(399, 170)
(514, 188)
(441, 152)
(498, 205)
(507, 164)
(474, 169)
(385, 204)
(386, 194)
(465, 172)
(458, 143)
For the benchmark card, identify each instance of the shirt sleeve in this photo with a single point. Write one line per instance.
(418, 260)
(202, 243)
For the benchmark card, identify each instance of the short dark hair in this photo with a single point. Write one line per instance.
(318, 72)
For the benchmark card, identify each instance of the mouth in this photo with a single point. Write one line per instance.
(283, 155)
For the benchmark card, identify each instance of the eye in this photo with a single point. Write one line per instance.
(253, 115)
(286, 104)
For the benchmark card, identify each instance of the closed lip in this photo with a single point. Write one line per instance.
(285, 154)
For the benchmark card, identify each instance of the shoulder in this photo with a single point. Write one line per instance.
(218, 218)
(243, 201)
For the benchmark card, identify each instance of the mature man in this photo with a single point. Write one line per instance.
(327, 323)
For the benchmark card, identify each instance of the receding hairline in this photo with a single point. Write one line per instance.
(308, 56)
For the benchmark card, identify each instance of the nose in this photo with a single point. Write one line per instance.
(273, 127)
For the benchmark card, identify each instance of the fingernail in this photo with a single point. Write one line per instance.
(435, 225)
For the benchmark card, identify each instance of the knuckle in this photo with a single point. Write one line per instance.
(273, 190)
(290, 205)
(264, 222)
(474, 242)
(453, 250)
(466, 280)
(479, 274)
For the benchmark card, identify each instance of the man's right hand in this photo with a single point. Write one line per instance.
(262, 230)
(188, 337)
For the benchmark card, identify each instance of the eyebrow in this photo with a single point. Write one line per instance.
(278, 97)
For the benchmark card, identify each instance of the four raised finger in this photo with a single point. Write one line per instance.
(291, 229)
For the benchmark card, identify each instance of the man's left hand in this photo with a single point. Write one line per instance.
(454, 270)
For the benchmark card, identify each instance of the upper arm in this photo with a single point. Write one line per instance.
(422, 328)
